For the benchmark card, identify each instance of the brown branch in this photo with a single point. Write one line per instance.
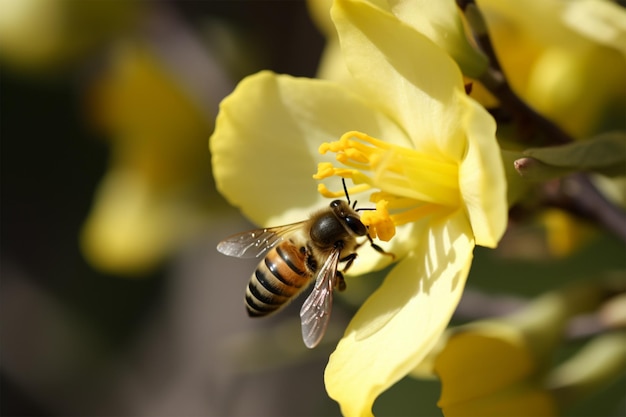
(578, 195)
(477, 305)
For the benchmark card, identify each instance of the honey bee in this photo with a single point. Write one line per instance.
(297, 255)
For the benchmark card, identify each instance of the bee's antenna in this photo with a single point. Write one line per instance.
(345, 190)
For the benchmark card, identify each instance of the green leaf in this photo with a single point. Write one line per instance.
(605, 154)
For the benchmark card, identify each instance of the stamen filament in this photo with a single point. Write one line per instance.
(394, 202)
(325, 192)
(398, 170)
(414, 214)
(343, 158)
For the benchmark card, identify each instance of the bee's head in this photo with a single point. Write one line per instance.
(349, 217)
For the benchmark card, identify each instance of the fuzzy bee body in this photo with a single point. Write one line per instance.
(286, 271)
(295, 256)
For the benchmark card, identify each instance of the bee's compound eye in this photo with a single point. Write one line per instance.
(355, 224)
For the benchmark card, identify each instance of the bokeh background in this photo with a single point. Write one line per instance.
(113, 299)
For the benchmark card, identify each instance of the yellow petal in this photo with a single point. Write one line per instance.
(484, 372)
(479, 361)
(319, 11)
(523, 400)
(397, 326)
(410, 77)
(481, 176)
(332, 66)
(600, 20)
(265, 145)
(441, 21)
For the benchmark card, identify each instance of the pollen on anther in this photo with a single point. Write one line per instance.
(325, 192)
(356, 155)
(380, 224)
(324, 170)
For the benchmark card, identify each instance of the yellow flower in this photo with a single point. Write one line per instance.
(501, 367)
(408, 135)
(441, 21)
(490, 371)
(154, 195)
(564, 233)
(40, 35)
(565, 58)
(331, 64)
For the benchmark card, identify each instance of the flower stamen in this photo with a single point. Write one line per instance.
(396, 169)
(414, 214)
(379, 223)
(412, 184)
(325, 192)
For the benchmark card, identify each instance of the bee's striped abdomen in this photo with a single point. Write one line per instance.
(277, 279)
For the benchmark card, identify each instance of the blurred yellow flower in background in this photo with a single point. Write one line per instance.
(491, 372)
(504, 366)
(331, 64)
(565, 58)
(564, 233)
(42, 35)
(154, 195)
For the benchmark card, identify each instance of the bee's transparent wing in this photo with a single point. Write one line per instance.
(315, 312)
(254, 243)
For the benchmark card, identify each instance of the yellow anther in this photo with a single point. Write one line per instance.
(324, 170)
(353, 150)
(380, 223)
(325, 192)
(336, 146)
(324, 147)
(356, 155)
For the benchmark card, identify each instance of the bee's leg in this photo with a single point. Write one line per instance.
(379, 249)
(348, 259)
(340, 282)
